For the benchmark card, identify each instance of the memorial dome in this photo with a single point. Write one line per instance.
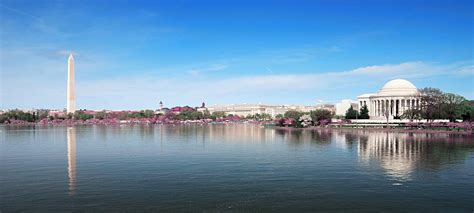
(398, 87)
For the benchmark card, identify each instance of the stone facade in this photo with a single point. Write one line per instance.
(395, 97)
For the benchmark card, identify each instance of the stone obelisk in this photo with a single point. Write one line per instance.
(71, 93)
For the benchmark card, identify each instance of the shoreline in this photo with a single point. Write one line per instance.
(263, 124)
(372, 129)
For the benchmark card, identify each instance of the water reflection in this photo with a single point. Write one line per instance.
(71, 159)
(399, 155)
(300, 137)
(395, 154)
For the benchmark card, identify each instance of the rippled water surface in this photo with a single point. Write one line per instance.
(232, 167)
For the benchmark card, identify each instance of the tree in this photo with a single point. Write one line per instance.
(279, 116)
(293, 114)
(386, 114)
(80, 115)
(467, 110)
(189, 115)
(42, 114)
(147, 113)
(306, 120)
(206, 114)
(452, 106)
(196, 115)
(100, 115)
(260, 117)
(16, 115)
(320, 114)
(411, 114)
(351, 113)
(364, 112)
(438, 105)
(123, 116)
(218, 114)
(431, 103)
(252, 116)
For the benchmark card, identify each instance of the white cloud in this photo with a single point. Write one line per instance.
(146, 90)
(186, 90)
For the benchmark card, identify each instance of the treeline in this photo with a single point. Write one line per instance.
(197, 115)
(319, 117)
(39, 115)
(23, 116)
(435, 104)
(125, 115)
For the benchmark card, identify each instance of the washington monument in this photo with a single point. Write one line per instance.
(71, 94)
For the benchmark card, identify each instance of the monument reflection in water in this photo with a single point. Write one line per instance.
(71, 159)
(239, 166)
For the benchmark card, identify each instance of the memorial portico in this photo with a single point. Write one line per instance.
(394, 98)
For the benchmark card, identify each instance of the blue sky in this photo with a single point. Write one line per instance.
(132, 54)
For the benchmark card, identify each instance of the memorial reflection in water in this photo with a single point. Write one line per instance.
(162, 167)
(398, 154)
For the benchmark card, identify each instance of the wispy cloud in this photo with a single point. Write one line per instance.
(210, 68)
(466, 71)
(185, 90)
(145, 90)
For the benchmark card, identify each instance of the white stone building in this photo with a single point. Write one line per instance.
(394, 98)
(344, 105)
(244, 110)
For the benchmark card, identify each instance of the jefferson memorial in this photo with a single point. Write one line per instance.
(395, 97)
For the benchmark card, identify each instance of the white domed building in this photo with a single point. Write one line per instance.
(395, 97)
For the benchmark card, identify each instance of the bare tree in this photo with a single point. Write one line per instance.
(411, 114)
(387, 114)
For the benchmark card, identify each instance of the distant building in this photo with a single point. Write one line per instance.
(244, 110)
(162, 110)
(241, 110)
(344, 105)
(329, 107)
(276, 110)
(395, 97)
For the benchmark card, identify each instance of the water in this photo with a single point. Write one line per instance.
(232, 168)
